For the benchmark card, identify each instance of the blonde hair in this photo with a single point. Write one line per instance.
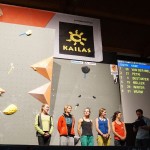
(65, 108)
(101, 110)
(43, 105)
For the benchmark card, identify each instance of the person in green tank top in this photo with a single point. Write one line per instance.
(86, 124)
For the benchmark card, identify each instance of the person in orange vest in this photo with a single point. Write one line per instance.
(65, 127)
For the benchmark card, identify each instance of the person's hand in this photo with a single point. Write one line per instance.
(144, 127)
(104, 136)
(122, 138)
(107, 135)
(135, 129)
(46, 134)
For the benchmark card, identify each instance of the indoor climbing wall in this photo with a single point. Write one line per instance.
(45, 68)
(94, 88)
(25, 79)
(30, 75)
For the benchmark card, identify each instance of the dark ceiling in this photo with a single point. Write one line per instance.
(125, 25)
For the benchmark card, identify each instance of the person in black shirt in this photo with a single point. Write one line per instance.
(86, 124)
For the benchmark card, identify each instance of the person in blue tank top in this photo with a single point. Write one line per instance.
(103, 129)
(86, 136)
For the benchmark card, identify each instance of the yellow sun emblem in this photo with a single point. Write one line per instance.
(76, 38)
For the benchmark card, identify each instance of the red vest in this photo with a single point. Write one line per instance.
(119, 128)
(62, 126)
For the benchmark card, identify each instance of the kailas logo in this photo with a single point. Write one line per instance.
(76, 38)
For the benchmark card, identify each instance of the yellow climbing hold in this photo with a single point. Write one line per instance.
(11, 109)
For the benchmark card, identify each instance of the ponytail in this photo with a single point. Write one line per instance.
(115, 115)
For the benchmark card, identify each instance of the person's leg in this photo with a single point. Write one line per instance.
(63, 140)
(70, 141)
(83, 140)
(123, 143)
(138, 143)
(41, 140)
(146, 142)
(107, 141)
(90, 141)
(100, 141)
(47, 141)
(117, 143)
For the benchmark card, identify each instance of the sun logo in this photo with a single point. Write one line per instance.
(76, 38)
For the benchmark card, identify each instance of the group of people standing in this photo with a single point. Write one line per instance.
(103, 129)
(66, 124)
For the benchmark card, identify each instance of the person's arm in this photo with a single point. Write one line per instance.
(113, 129)
(97, 127)
(92, 124)
(52, 125)
(73, 122)
(108, 134)
(147, 126)
(134, 129)
(59, 124)
(125, 131)
(79, 127)
(37, 128)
